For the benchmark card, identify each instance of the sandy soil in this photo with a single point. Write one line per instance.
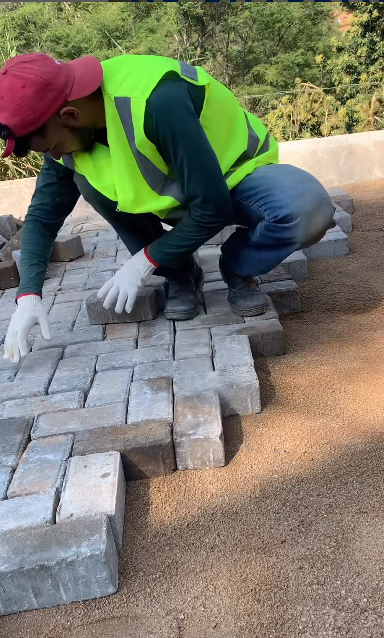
(288, 540)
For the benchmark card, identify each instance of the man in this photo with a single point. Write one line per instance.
(145, 139)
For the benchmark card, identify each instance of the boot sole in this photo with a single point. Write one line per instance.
(248, 313)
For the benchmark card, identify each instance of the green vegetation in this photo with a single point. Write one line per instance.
(287, 62)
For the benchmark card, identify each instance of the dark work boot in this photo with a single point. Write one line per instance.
(183, 294)
(244, 295)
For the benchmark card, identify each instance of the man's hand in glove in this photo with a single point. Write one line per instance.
(125, 285)
(29, 312)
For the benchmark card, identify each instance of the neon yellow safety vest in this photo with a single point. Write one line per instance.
(131, 171)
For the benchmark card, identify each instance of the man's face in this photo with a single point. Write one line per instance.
(63, 134)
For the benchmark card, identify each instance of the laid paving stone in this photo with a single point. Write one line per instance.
(100, 347)
(111, 386)
(296, 265)
(95, 485)
(56, 329)
(193, 343)
(35, 387)
(277, 274)
(334, 244)
(6, 474)
(145, 309)
(341, 198)
(74, 373)
(209, 321)
(105, 250)
(7, 375)
(67, 248)
(343, 220)
(232, 352)
(79, 553)
(39, 364)
(285, 296)
(102, 264)
(158, 332)
(82, 262)
(42, 467)
(212, 276)
(95, 333)
(122, 331)
(213, 286)
(3, 241)
(216, 302)
(266, 338)
(131, 358)
(146, 450)
(122, 257)
(8, 226)
(14, 243)
(97, 280)
(82, 321)
(16, 256)
(65, 311)
(227, 232)
(6, 364)
(150, 401)
(9, 275)
(14, 435)
(217, 240)
(209, 258)
(27, 511)
(55, 271)
(239, 394)
(75, 421)
(170, 368)
(198, 432)
(39, 405)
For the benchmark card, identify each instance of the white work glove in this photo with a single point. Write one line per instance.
(29, 312)
(125, 285)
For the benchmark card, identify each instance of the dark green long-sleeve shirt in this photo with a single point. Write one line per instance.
(172, 124)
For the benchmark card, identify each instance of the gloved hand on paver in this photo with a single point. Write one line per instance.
(30, 311)
(125, 285)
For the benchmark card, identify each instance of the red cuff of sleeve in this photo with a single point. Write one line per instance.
(150, 258)
(28, 294)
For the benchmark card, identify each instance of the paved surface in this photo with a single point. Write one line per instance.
(287, 539)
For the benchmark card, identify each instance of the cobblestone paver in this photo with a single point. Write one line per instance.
(113, 395)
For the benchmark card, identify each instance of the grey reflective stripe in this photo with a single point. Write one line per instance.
(189, 71)
(68, 162)
(251, 150)
(265, 146)
(158, 181)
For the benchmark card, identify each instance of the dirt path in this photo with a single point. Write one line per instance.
(288, 540)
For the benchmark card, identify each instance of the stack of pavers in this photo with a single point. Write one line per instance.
(114, 395)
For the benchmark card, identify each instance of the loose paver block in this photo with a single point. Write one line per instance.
(27, 511)
(39, 405)
(122, 331)
(343, 220)
(334, 244)
(198, 432)
(95, 333)
(9, 275)
(296, 265)
(266, 338)
(74, 373)
(67, 248)
(39, 364)
(146, 449)
(170, 368)
(232, 352)
(239, 393)
(150, 401)
(8, 226)
(111, 386)
(285, 296)
(341, 198)
(57, 564)
(276, 274)
(100, 347)
(158, 332)
(65, 311)
(208, 321)
(13, 244)
(74, 421)
(42, 467)
(145, 308)
(94, 485)
(192, 343)
(131, 358)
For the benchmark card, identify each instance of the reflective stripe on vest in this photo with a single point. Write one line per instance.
(189, 71)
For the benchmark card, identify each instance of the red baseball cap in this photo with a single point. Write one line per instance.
(34, 86)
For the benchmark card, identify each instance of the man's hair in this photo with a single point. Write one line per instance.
(22, 144)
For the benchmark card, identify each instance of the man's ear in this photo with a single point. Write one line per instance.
(69, 116)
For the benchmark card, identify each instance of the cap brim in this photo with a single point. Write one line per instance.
(9, 147)
(88, 76)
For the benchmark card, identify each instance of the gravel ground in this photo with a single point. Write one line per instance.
(287, 540)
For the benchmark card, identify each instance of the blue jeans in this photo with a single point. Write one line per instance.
(281, 209)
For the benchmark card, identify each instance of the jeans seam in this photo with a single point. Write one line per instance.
(245, 201)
